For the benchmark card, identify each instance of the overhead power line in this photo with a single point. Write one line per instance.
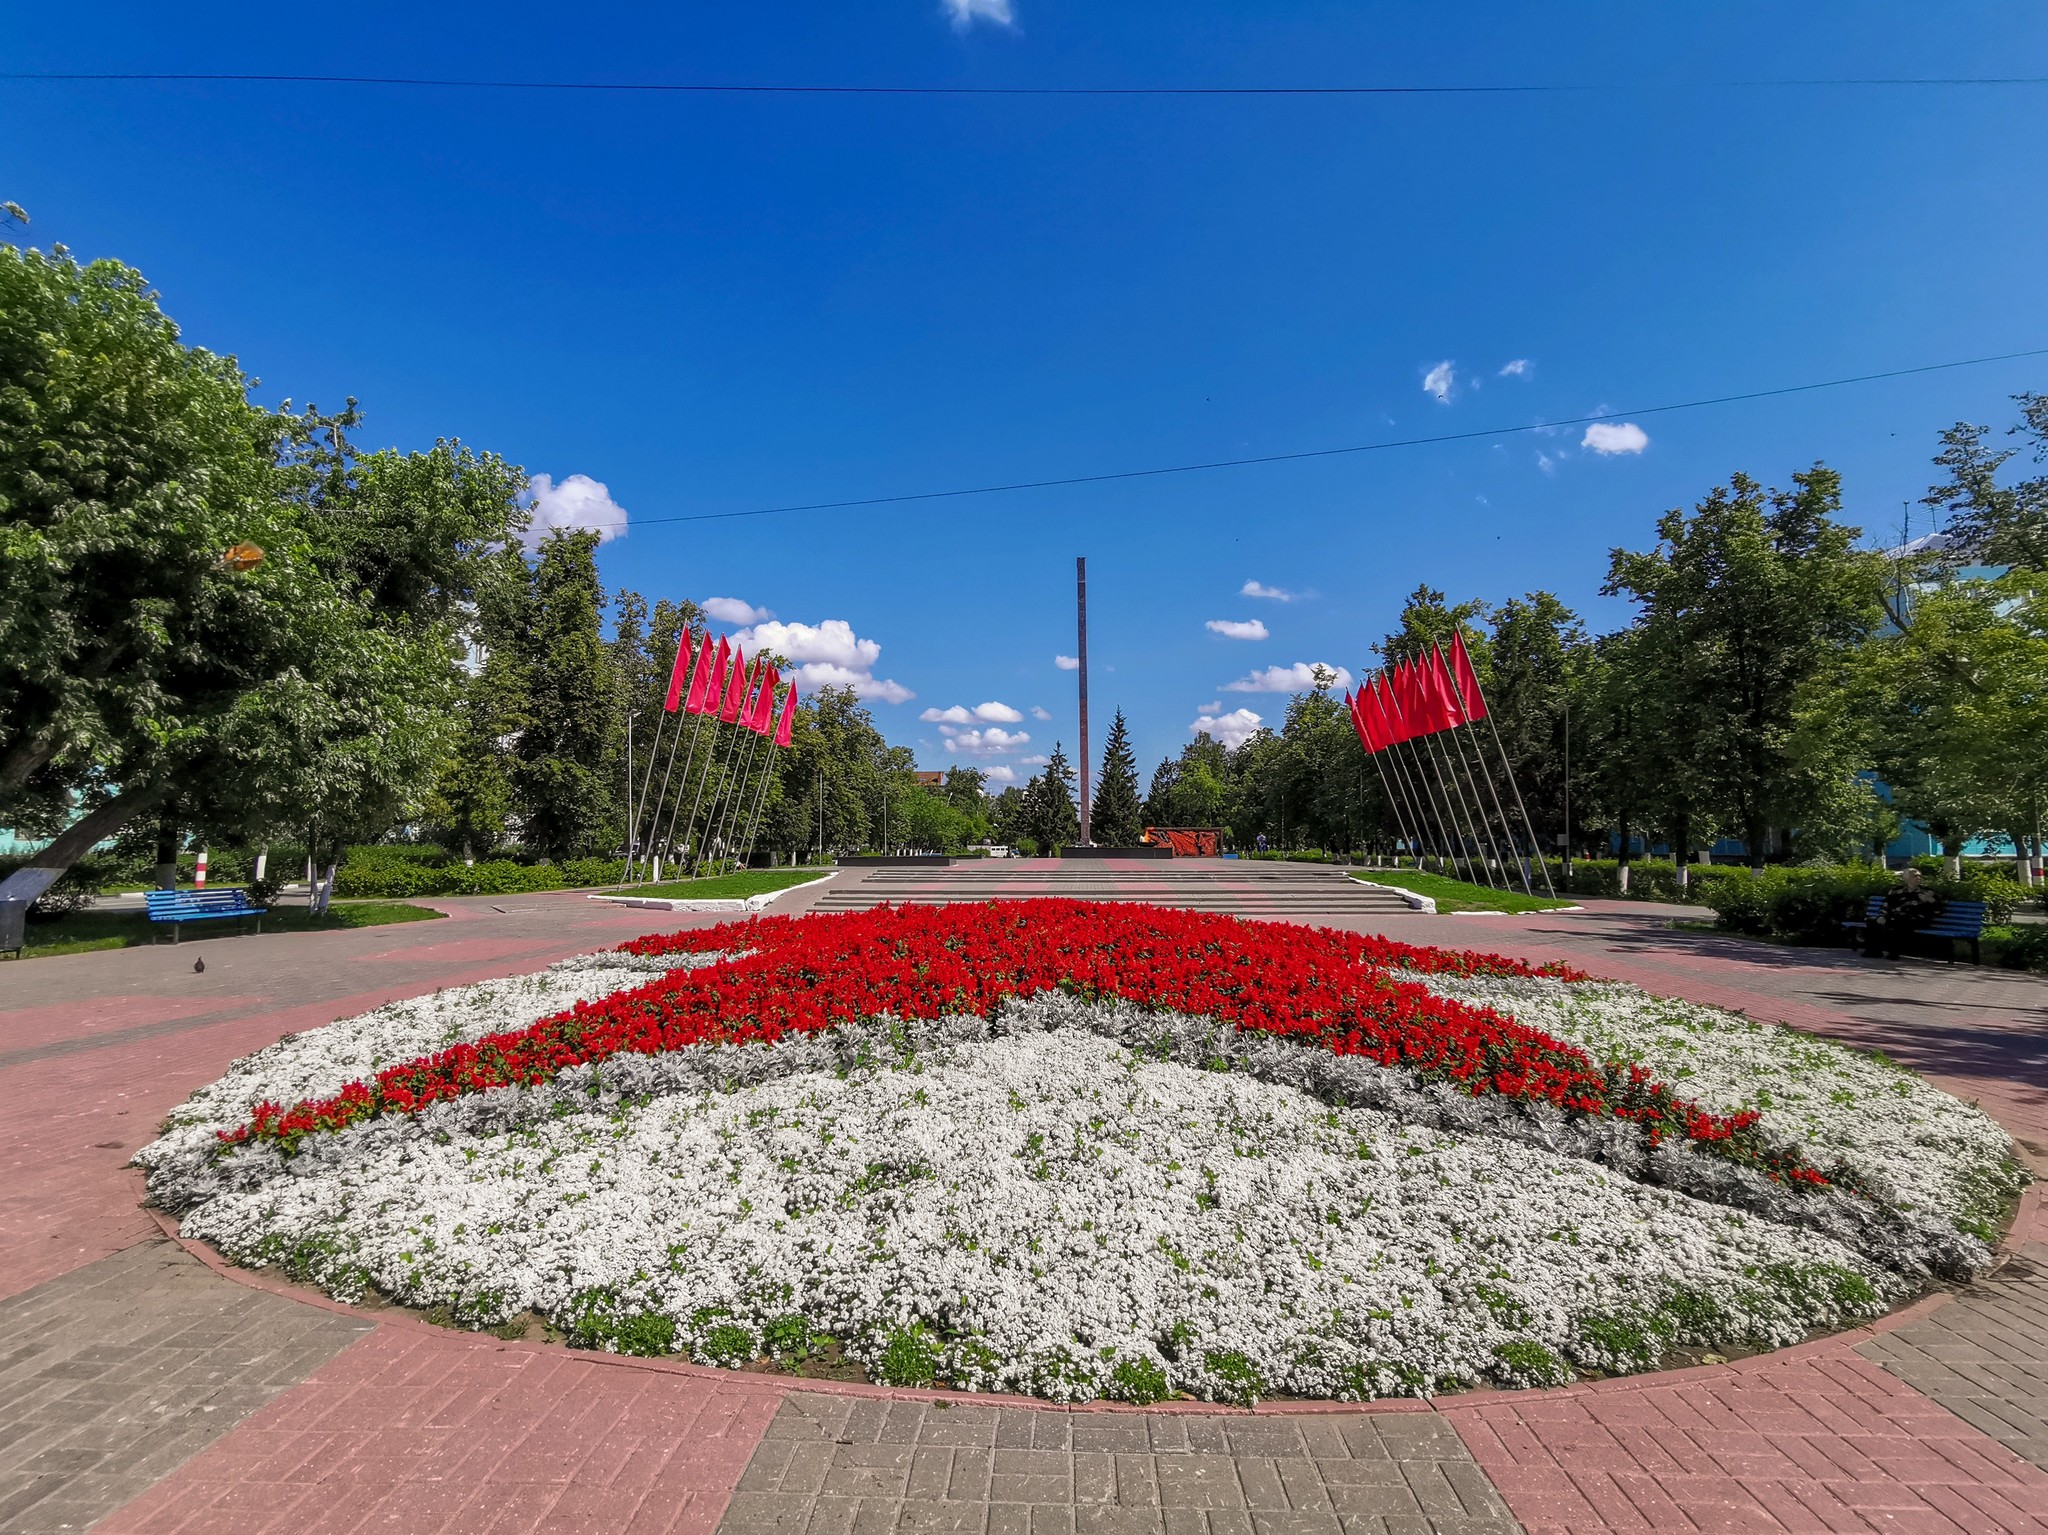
(718, 88)
(1305, 454)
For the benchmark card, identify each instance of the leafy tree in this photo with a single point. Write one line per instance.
(1529, 670)
(1951, 705)
(143, 673)
(1744, 603)
(838, 769)
(1115, 816)
(1193, 790)
(1007, 819)
(1991, 523)
(567, 801)
(1050, 817)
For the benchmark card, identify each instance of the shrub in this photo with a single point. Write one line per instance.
(373, 872)
(1795, 905)
(1649, 879)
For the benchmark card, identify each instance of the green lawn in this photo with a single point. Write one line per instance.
(82, 931)
(1457, 895)
(721, 887)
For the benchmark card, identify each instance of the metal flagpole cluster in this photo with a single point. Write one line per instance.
(1401, 714)
(724, 688)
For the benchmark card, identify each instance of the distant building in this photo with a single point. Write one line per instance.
(930, 780)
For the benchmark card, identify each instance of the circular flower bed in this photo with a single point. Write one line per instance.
(1084, 1151)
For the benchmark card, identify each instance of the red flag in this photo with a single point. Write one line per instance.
(1358, 722)
(1443, 698)
(694, 703)
(1401, 688)
(675, 673)
(788, 709)
(1372, 730)
(705, 687)
(1467, 679)
(762, 714)
(735, 688)
(1393, 722)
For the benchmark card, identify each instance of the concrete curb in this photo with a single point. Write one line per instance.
(1421, 903)
(750, 903)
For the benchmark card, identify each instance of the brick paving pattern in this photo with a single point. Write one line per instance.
(412, 1431)
(121, 1371)
(1827, 1441)
(841, 1465)
(1984, 1356)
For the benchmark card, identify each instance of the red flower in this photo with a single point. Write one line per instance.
(1338, 991)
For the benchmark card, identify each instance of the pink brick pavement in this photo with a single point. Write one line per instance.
(407, 1431)
(412, 1430)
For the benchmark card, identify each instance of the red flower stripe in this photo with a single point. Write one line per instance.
(1339, 991)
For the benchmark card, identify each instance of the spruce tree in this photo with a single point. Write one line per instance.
(1116, 819)
(1049, 811)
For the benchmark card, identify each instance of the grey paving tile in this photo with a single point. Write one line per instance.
(103, 1404)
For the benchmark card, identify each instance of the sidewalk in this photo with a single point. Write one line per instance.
(130, 1366)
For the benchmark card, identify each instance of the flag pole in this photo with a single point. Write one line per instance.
(1416, 761)
(724, 778)
(1411, 771)
(760, 801)
(1455, 796)
(1508, 767)
(739, 797)
(1398, 811)
(1464, 718)
(653, 756)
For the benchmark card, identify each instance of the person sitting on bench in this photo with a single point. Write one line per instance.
(1906, 910)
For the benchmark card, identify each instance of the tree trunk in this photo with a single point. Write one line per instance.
(167, 855)
(1754, 835)
(46, 867)
(1681, 851)
(1952, 850)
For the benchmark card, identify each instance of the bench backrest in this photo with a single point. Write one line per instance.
(171, 901)
(1966, 917)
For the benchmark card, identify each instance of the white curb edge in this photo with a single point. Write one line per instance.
(749, 903)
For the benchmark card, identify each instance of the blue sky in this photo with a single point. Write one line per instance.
(715, 304)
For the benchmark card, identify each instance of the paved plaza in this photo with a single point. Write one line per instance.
(145, 1388)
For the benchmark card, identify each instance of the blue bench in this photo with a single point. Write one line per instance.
(178, 907)
(1956, 922)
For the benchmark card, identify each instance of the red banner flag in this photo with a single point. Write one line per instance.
(1443, 697)
(762, 715)
(1358, 722)
(788, 710)
(1467, 679)
(676, 672)
(1395, 709)
(735, 688)
(706, 701)
(700, 676)
(1408, 702)
(1383, 719)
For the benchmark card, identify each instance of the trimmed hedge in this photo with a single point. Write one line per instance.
(1649, 879)
(373, 871)
(1809, 905)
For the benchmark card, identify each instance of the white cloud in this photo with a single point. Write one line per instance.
(1237, 629)
(1298, 678)
(1545, 462)
(1038, 761)
(960, 714)
(992, 741)
(965, 13)
(733, 610)
(578, 502)
(829, 654)
(1232, 729)
(1519, 368)
(1211, 706)
(1438, 381)
(1609, 438)
(1039, 713)
(1270, 593)
(1067, 663)
(1000, 774)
